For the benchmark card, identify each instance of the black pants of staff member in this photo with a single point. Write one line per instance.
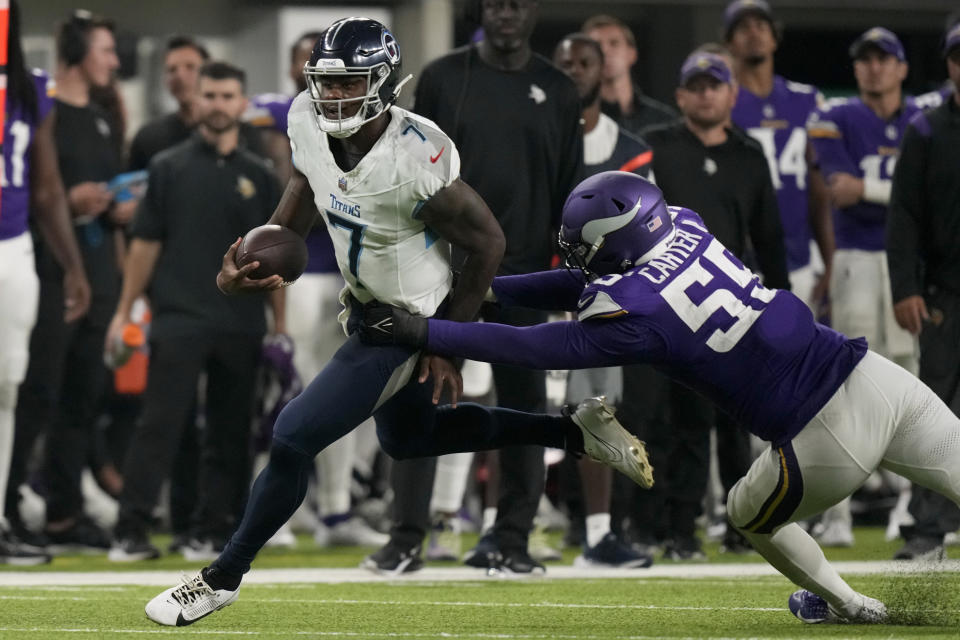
(675, 423)
(521, 468)
(935, 515)
(60, 397)
(230, 361)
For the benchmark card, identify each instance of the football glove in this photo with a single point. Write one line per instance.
(387, 325)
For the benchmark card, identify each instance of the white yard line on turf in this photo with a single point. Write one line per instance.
(437, 603)
(349, 634)
(451, 574)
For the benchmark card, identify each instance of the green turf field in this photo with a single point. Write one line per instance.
(732, 606)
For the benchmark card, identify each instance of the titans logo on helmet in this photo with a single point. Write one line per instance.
(390, 46)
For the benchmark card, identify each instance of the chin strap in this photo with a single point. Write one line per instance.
(396, 89)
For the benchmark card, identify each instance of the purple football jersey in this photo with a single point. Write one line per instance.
(17, 137)
(695, 313)
(269, 111)
(778, 123)
(850, 138)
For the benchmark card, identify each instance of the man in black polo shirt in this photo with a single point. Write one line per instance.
(701, 163)
(202, 195)
(181, 69)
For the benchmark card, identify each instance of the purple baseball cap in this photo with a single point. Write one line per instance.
(952, 40)
(739, 8)
(878, 38)
(702, 63)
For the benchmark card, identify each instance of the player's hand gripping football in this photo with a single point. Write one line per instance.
(233, 279)
(387, 325)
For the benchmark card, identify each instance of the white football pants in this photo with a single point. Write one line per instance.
(19, 297)
(881, 417)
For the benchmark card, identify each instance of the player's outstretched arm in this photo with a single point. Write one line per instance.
(552, 345)
(557, 290)
(461, 217)
(291, 211)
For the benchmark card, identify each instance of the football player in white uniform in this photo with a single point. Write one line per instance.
(386, 182)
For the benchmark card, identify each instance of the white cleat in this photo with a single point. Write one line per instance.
(605, 440)
(189, 601)
(810, 608)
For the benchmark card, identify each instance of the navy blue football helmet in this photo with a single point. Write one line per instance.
(355, 46)
(613, 221)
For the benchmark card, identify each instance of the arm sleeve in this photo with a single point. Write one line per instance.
(149, 223)
(907, 202)
(554, 345)
(557, 290)
(825, 130)
(766, 235)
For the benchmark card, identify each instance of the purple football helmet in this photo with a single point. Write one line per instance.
(611, 221)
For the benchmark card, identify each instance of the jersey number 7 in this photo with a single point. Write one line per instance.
(356, 238)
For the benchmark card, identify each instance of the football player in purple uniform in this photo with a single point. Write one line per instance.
(651, 284)
(31, 183)
(312, 306)
(774, 111)
(857, 142)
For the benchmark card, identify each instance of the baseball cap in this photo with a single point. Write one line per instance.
(739, 8)
(952, 40)
(702, 63)
(878, 38)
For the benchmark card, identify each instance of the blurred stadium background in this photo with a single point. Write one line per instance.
(256, 34)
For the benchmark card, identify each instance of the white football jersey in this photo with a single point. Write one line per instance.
(384, 250)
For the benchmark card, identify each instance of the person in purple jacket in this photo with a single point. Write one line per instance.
(651, 284)
(857, 142)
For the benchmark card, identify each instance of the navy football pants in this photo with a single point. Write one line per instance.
(342, 396)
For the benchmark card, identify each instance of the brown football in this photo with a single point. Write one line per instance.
(278, 249)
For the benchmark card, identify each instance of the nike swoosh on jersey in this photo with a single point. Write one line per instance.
(433, 159)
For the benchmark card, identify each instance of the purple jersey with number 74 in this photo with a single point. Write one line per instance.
(778, 122)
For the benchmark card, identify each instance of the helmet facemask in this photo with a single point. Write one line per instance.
(378, 98)
(575, 257)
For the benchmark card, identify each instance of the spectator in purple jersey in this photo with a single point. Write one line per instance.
(312, 307)
(651, 284)
(606, 146)
(31, 186)
(857, 143)
(923, 252)
(774, 111)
